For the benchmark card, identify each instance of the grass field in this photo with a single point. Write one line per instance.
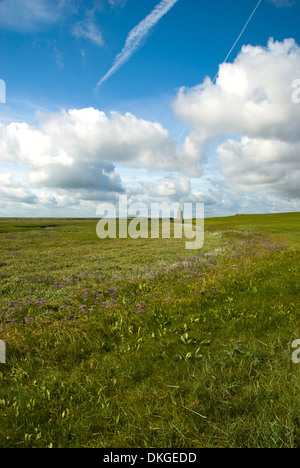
(141, 343)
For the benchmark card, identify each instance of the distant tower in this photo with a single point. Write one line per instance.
(179, 214)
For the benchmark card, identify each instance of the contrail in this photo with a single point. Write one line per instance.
(240, 35)
(136, 36)
(229, 53)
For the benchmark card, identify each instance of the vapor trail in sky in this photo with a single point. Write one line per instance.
(137, 35)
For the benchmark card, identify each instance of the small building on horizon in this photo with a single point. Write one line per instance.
(179, 214)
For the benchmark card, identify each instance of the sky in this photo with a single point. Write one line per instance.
(112, 97)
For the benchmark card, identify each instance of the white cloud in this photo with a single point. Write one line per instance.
(168, 187)
(76, 151)
(90, 134)
(251, 95)
(259, 163)
(25, 144)
(87, 29)
(251, 102)
(14, 191)
(80, 175)
(244, 137)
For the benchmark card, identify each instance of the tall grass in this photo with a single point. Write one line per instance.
(122, 343)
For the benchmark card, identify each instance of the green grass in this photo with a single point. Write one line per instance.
(123, 343)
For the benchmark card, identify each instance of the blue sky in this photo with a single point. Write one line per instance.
(160, 142)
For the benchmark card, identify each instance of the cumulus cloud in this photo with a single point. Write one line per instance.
(262, 163)
(90, 134)
(251, 102)
(54, 163)
(77, 150)
(251, 95)
(244, 135)
(80, 175)
(173, 188)
(24, 144)
(13, 191)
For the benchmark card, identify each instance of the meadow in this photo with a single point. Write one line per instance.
(142, 343)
